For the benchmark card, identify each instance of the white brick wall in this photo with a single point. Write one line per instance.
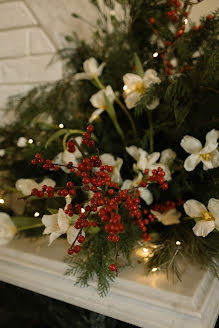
(32, 30)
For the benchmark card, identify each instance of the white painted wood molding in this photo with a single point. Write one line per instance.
(147, 302)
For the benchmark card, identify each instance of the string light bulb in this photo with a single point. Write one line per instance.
(2, 201)
(155, 54)
(185, 21)
(125, 87)
(30, 141)
(61, 125)
(36, 214)
(82, 210)
(154, 269)
(146, 251)
(178, 243)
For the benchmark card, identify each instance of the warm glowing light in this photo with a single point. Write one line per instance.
(2, 201)
(82, 210)
(154, 269)
(146, 251)
(125, 88)
(155, 54)
(36, 214)
(178, 242)
(61, 126)
(185, 21)
(30, 141)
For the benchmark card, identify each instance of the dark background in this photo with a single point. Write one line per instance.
(20, 308)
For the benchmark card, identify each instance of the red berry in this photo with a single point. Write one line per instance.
(164, 186)
(90, 128)
(69, 184)
(210, 17)
(70, 251)
(81, 239)
(77, 249)
(152, 20)
(34, 161)
(72, 192)
(113, 267)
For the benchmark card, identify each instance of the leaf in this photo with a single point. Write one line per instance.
(61, 132)
(181, 113)
(138, 65)
(52, 210)
(75, 15)
(112, 114)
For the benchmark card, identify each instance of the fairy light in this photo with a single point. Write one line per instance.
(185, 21)
(154, 269)
(2, 201)
(61, 126)
(30, 141)
(36, 214)
(155, 54)
(125, 87)
(178, 243)
(82, 210)
(146, 251)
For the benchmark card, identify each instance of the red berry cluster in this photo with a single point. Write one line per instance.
(41, 193)
(48, 163)
(160, 207)
(107, 198)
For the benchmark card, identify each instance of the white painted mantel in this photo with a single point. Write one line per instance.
(149, 302)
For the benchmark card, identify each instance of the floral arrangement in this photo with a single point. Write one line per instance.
(127, 182)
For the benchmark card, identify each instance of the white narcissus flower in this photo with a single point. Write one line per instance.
(2, 152)
(26, 185)
(149, 162)
(22, 142)
(210, 216)
(167, 156)
(208, 155)
(108, 159)
(98, 101)
(59, 224)
(135, 87)
(145, 193)
(7, 229)
(91, 70)
(169, 217)
(65, 157)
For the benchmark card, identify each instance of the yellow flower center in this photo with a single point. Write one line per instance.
(207, 156)
(208, 216)
(139, 87)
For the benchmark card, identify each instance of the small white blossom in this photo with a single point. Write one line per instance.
(209, 217)
(91, 70)
(26, 185)
(98, 101)
(169, 217)
(22, 142)
(7, 229)
(65, 157)
(59, 224)
(108, 159)
(208, 155)
(145, 193)
(2, 152)
(135, 86)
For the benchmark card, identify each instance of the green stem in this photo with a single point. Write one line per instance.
(38, 225)
(99, 83)
(151, 131)
(127, 114)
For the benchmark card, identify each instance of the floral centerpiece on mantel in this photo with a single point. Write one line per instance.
(144, 174)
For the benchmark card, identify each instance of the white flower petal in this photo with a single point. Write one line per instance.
(131, 99)
(97, 100)
(91, 66)
(47, 182)
(167, 156)
(107, 159)
(203, 228)
(127, 184)
(7, 229)
(53, 236)
(26, 186)
(169, 217)
(153, 157)
(153, 104)
(135, 152)
(191, 145)
(100, 69)
(82, 76)
(212, 137)
(146, 195)
(96, 114)
(2, 152)
(150, 77)
(22, 142)
(194, 209)
(109, 93)
(69, 157)
(213, 206)
(72, 234)
(191, 162)
(131, 79)
(51, 223)
(63, 221)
